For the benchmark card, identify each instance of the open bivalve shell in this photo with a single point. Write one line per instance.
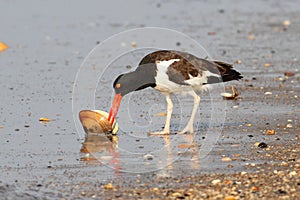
(95, 121)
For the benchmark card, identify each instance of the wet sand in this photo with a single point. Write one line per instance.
(47, 44)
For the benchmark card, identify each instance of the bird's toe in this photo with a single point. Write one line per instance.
(186, 130)
(159, 133)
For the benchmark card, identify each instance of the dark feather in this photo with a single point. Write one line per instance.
(227, 72)
(190, 65)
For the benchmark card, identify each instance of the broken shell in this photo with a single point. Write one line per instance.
(161, 114)
(226, 159)
(216, 181)
(109, 186)
(288, 73)
(95, 121)
(271, 132)
(148, 157)
(3, 46)
(44, 119)
(232, 95)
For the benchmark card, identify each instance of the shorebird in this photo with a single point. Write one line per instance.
(172, 72)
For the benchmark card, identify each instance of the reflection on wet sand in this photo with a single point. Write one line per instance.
(187, 147)
(102, 148)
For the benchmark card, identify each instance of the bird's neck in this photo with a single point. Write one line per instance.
(143, 77)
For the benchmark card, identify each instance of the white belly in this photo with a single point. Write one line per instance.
(163, 84)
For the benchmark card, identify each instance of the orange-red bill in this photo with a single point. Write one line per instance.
(114, 109)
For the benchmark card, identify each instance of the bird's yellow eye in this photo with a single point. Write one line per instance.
(118, 85)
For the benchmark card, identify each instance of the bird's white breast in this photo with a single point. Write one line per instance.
(163, 83)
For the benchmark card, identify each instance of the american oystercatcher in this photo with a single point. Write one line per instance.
(172, 72)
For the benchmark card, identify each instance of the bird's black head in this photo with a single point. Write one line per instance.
(133, 81)
(142, 77)
(122, 85)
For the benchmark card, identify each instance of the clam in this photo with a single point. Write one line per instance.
(95, 121)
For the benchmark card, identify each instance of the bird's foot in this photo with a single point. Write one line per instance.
(187, 129)
(159, 133)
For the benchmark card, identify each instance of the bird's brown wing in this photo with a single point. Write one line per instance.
(191, 66)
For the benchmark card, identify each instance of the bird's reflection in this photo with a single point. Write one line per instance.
(102, 148)
(186, 148)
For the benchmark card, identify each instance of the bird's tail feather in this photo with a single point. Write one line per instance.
(227, 72)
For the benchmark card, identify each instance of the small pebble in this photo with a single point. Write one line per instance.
(221, 10)
(286, 22)
(211, 33)
(262, 145)
(133, 44)
(254, 188)
(268, 93)
(289, 126)
(293, 173)
(251, 37)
